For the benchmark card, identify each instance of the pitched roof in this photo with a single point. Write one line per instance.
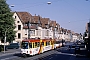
(36, 18)
(44, 22)
(61, 29)
(24, 16)
(76, 34)
(53, 24)
(69, 31)
(58, 25)
(65, 30)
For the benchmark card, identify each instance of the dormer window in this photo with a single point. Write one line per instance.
(39, 21)
(25, 24)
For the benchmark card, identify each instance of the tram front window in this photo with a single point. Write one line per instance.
(24, 45)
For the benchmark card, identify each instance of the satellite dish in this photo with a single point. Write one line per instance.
(48, 2)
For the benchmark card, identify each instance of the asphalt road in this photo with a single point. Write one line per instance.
(18, 56)
(59, 54)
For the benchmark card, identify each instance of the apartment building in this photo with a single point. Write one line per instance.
(28, 26)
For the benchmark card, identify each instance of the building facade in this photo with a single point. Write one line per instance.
(36, 27)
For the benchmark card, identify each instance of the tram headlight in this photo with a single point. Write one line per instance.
(27, 51)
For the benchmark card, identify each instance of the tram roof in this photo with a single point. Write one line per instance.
(36, 40)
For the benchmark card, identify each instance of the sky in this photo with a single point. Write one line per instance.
(70, 14)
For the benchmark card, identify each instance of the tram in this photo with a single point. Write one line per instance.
(58, 44)
(36, 46)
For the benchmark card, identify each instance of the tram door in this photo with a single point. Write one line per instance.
(52, 43)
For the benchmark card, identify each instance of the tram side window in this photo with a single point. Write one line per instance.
(38, 44)
(35, 44)
(48, 42)
(30, 45)
(51, 42)
(42, 43)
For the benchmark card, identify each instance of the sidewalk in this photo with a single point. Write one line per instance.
(9, 52)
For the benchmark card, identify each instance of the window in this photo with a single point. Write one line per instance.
(15, 17)
(32, 32)
(35, 44)
(25, 24)
(19, 27)
(17, 21)
(47, 43)
(38, 44)
(42, 43)
(47, 33)
(25, 31)
(38, 33)
(19, 35)
(30, 45)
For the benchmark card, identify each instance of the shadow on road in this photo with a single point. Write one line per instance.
(21, 55)
(81, 54)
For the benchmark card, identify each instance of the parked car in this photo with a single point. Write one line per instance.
(12, 46)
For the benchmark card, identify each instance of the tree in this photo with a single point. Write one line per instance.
(6, 22)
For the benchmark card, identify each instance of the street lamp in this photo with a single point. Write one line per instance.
(48, 3)
(12, 5)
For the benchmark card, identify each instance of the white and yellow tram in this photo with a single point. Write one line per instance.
(57, 44)
(36, 46)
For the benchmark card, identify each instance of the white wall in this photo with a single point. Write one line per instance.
(16, 29)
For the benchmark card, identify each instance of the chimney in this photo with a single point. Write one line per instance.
(35, 14)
